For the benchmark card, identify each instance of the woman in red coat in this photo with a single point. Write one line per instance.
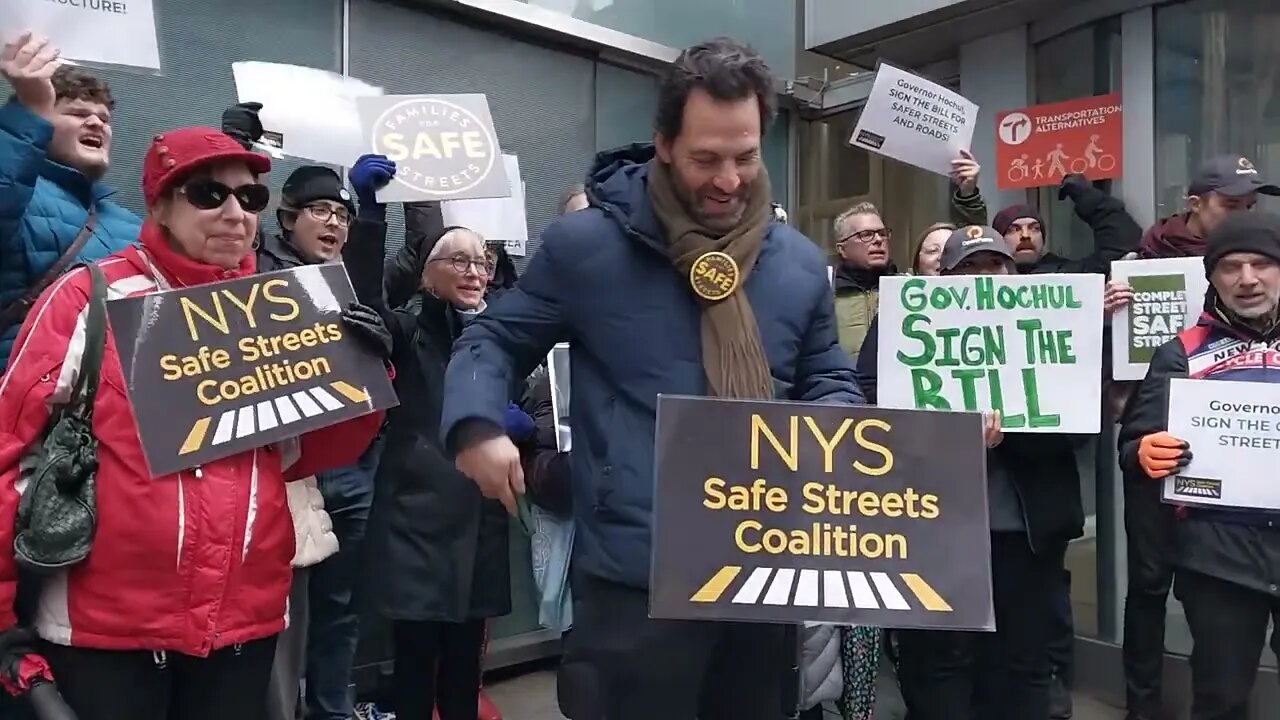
(173, 614)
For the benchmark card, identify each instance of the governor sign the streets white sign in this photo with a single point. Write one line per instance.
(1029, 346)
(1234, 432)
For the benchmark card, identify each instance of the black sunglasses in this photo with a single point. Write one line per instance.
(208, 194)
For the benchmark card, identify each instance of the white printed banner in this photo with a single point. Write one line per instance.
(1234, 432)
(306, 112)
(1029, 346)
(915, 120)
(1168, 294)
(113, 32)
(558, 369)
(496, 219)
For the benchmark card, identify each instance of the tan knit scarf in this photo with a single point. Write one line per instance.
(732, 354)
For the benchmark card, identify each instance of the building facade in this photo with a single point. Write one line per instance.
(1197, 78)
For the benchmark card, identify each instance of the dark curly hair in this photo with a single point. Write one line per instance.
(72, 83)
(726, 69)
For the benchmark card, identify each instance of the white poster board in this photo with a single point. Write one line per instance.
(558, 369)
(497, 219)
(914, 120)
(115, 32)
(306, 113)
(1234, 432)
(1168, 295)
(1029, 346)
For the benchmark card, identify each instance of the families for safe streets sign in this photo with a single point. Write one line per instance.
(789, 512)
(914, 120)
(1029, 346)
(1168, 295)
(1234, 432)
(217, 369)
(444, 146)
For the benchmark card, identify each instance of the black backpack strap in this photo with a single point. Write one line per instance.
(95, 338)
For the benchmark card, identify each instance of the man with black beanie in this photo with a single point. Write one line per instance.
(316, 214)
(1227, 560)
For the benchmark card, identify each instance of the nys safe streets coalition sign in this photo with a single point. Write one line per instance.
(217, 369)
(444, 146)
(789, 512)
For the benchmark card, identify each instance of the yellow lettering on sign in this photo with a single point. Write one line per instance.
(828, 441)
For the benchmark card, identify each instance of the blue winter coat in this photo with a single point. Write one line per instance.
(43, 205)
(603, 281)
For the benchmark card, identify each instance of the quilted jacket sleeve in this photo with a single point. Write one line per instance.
(24, 140)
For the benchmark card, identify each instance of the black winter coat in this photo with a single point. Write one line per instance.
(438, 548)
(1042, 466)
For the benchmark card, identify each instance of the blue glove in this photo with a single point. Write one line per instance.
(518, 424)
(370, 174)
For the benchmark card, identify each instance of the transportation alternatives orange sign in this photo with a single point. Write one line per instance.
(1040, 145)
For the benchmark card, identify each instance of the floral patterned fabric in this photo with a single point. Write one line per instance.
(860, 652)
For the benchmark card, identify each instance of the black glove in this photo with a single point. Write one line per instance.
(1073, 185)
(369, 328)
(242, 124)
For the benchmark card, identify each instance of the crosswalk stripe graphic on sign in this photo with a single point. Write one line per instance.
(822, 588)
(269, 414)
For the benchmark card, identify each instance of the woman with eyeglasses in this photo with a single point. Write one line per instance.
(174, 613)
(438, 551)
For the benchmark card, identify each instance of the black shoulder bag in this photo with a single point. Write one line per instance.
(58, 511)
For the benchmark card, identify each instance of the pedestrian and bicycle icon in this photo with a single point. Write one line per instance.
(1057, 163)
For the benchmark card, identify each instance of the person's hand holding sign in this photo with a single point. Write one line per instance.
(1161, 455)
(964, 172)
(370, 174)
(1118, 293)
(367, 326)
(28, 63)
(992, 433)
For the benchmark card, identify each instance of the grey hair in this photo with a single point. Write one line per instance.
(454, 238)
(862, 208)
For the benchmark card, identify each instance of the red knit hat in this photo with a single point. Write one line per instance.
(173, 155)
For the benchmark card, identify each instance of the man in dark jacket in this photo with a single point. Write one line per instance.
(1227, 560)
(1223, 186)
(617, 280)
(315, 216)
(1113, 231)
(1033, 493)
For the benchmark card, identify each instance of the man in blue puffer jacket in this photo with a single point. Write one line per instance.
(675, 280)
(55, 140)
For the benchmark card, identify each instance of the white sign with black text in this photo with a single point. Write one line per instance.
(113, 32)
(914, 120)
(1233, 429)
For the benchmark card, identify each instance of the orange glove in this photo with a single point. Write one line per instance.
(1161, 454)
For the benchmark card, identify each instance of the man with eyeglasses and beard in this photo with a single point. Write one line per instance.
(317, 216)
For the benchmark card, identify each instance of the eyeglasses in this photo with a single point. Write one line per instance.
(325, 213)
(462, 264)
(211, 194)
(869, 236)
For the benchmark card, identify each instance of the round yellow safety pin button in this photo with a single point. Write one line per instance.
(714, 276)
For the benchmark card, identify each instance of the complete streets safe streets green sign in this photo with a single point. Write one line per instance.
(790, 512)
